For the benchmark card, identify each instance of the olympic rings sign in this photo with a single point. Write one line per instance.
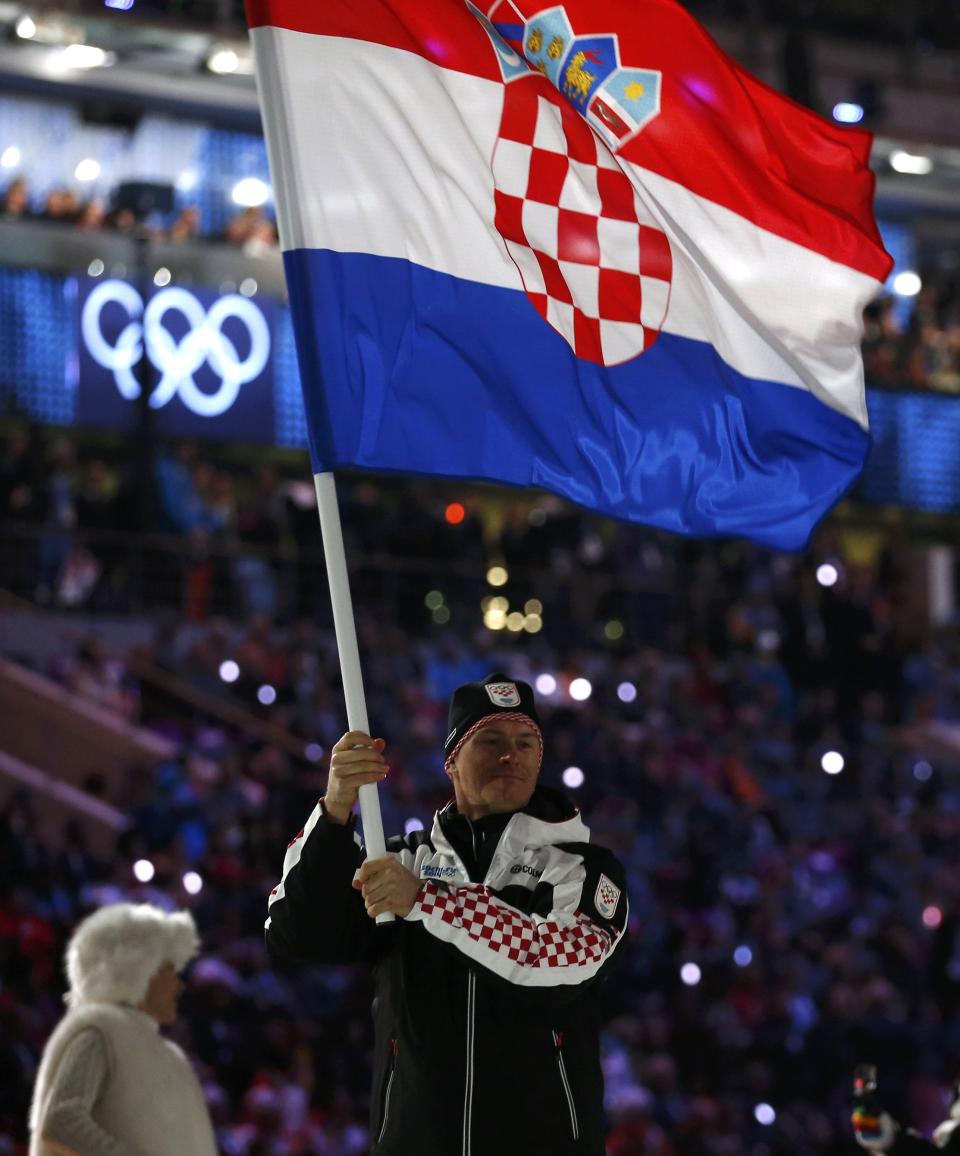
(176, 361)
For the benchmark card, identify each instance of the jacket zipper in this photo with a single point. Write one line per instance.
(468, 1088)
(564, 1079)
(394, 1048)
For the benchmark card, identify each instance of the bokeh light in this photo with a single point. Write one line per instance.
(573, 777)
(627, 692)
(192, 883)
(832, 762)
(580, 689)
(932, 917)
(690, 974)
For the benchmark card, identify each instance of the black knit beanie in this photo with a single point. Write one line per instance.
(497, 696)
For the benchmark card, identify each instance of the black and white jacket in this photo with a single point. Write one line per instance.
(486, 1008)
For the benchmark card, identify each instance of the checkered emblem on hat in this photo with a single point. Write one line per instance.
(607, 897)
(503, 694)
(595, 263)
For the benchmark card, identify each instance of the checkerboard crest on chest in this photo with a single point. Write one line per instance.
(593, 259)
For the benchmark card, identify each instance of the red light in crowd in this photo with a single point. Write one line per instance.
(455, 513)
(932, 917)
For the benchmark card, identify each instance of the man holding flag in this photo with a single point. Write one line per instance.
(570, 245)
(487, 990)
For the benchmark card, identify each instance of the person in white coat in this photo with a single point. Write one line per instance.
(109, 1083)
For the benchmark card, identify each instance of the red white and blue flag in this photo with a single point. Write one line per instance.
(572, 246)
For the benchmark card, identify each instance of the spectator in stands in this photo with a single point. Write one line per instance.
(186, 226)
(120, 220)
(252, 231)
(16, 200)
(61, 207)
(109, 1082)
(58, 514)
(261, 240)
(91, 216)
(17, 490)
(240, 227)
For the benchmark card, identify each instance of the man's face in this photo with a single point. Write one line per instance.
(496, 769)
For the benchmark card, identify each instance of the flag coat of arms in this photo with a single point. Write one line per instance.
(572, 246)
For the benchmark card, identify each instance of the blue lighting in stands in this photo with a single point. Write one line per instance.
(913, 461)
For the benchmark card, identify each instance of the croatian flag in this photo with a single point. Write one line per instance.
(572, 246)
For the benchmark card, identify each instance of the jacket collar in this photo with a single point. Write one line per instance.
(550, 817)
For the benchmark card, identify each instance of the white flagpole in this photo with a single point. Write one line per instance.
(346, 631)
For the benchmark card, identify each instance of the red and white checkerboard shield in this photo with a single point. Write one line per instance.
(594, 261)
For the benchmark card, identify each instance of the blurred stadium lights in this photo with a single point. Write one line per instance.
(250, 192)
(573, 778)
(87, 170)
(916, 164)
(846, 112)
(223, 61)
(907, 283)
(580, 689)
(85, 56)
(832, 762)
(627, 692)
(230, 60)
(932, 917)
(690, 974)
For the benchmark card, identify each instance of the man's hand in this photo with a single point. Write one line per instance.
(387, 886)
(356, 759)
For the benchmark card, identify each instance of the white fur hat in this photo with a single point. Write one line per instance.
(114, 953)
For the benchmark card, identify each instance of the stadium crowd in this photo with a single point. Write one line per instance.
(921, 353)
(250, 229)
(786, 923)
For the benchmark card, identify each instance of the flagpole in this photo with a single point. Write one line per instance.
(345, 627)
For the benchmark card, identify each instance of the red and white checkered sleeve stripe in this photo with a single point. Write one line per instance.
(561, 948)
